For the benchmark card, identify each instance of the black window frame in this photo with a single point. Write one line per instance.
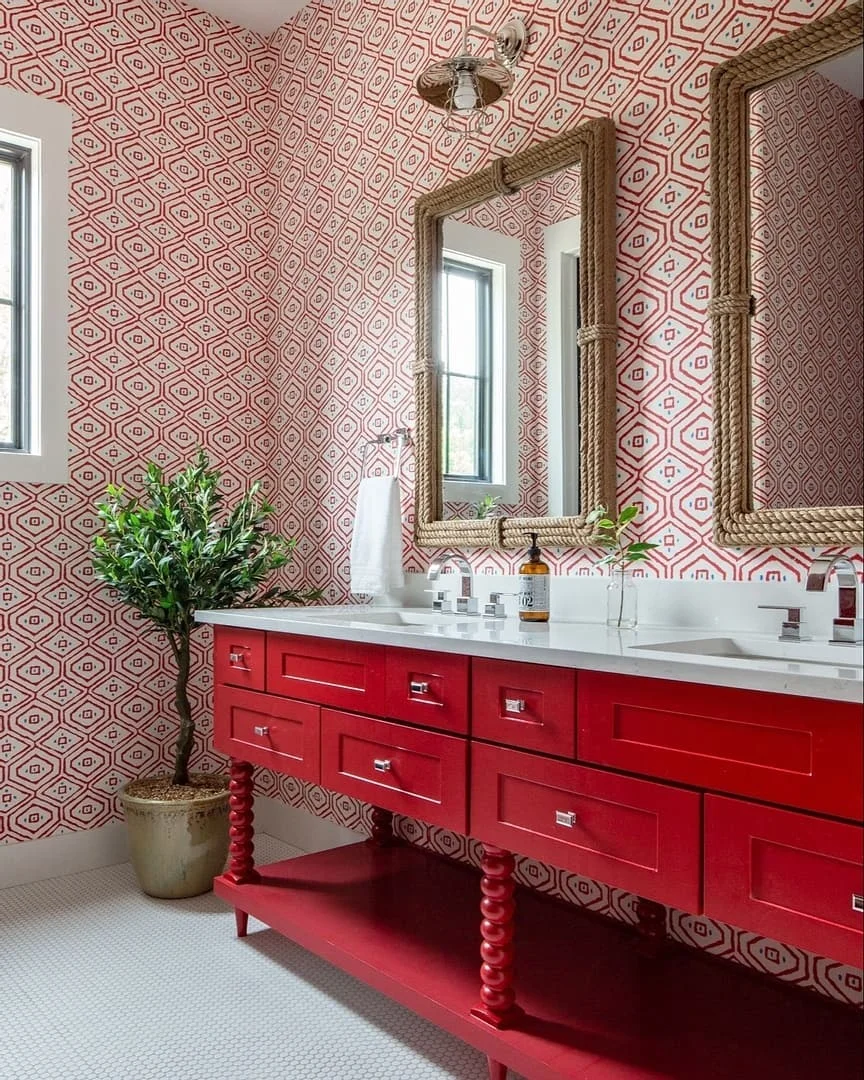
(20, 160)
(484, 278)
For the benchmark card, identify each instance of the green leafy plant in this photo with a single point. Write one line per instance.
(176, 549)
(609, 534)
(487, 507)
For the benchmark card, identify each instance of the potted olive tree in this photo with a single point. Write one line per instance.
(166, 553)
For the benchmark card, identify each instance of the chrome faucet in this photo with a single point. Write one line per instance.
(466, 602)
(848, 626)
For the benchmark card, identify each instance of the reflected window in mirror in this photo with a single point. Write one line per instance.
(806, 181)
(479, 363)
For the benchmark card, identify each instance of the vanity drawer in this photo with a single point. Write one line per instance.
(789, 876)
(280, 734)
(637, 835)
(419, 773)
(238, 657)
(524, 705)
(343, 674)
(800, 751)
(428, 688)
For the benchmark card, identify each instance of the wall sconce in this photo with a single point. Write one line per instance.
(464, 85)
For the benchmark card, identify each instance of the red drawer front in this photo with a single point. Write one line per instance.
(639, 836)
(800, 751)
(419, 773)
(428, 688)
(524, 705)
(283, 735)
(238, 657)
(344, 674)
(789, 876)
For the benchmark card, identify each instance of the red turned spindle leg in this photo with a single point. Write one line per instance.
(241, 869)
(497, 1071)
(382, 828)
(651, 927)
(497, 998)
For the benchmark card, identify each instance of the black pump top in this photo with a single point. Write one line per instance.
(534, 550)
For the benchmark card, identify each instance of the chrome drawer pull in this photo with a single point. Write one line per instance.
(418, 687)
(857, 902)
(514, 704)
(381, 764)
(566, 818)
(235, 657)
(261, 730)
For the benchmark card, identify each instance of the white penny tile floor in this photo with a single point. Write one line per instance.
(99, 982)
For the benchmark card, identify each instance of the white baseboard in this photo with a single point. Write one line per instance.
(72, 852)
(62, 853)
(299, 828)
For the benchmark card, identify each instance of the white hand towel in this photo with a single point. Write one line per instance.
(376, 544)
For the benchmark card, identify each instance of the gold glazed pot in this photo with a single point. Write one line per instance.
(176, 847)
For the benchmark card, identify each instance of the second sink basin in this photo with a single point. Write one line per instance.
(804, 652)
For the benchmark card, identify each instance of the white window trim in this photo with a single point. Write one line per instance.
(561, 244)
(45, 127)
(502, 254)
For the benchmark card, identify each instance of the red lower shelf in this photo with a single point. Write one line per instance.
(407, 923)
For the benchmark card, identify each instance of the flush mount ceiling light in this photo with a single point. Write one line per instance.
(465, 85)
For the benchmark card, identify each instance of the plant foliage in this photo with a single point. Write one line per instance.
(610, 535)
(176, 549)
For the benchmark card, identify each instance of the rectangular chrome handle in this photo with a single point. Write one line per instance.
(566, 818)
(418, 687)
(259, 730)
(381, 764)
(857, 902)
(514, 704)
(235, 657)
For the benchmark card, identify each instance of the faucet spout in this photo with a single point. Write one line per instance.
(848, 625)
(466, 574)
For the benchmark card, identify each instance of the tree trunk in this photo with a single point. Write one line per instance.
(183, 749)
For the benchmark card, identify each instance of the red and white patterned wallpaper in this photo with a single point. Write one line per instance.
(242, 274)
(807, 268)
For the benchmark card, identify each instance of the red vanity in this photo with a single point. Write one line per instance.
(740, 804)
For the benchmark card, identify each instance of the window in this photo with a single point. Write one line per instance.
(14, 295)
(466, 365)
(35, 135)
(478, 353)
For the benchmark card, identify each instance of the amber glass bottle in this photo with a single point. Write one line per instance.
(534, 586)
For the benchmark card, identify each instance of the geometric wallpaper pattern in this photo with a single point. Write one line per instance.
(807, 268)
(242, 279)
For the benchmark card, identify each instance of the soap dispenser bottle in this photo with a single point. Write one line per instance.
(534, 586)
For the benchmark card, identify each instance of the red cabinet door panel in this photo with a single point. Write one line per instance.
(428, 688)
(419, 773)
(238, 657)
(793, 877)
(524, 705)
(631, 833)
(344, 674)
(803, 752)
(280, 734)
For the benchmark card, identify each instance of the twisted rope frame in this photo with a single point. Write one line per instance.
(592, 146)
(736, 522)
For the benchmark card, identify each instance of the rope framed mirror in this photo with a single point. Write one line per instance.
(780, 449)
(589, 150)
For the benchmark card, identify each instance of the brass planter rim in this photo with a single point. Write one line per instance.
(166, 805)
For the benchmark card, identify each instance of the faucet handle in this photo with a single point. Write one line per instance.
(440, 601)
(793, 624)
(494, 608)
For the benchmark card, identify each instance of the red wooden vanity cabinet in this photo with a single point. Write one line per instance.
(743, 804)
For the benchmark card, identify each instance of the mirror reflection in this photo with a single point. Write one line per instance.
(806, 172)
(508, 318)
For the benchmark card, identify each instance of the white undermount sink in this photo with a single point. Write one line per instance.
(804, 652)
(404, 617)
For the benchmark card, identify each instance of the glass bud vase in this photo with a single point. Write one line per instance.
(621, 600)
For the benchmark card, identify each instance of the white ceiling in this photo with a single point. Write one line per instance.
(261, 15)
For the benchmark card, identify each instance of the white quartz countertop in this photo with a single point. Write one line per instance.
(807, 669)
